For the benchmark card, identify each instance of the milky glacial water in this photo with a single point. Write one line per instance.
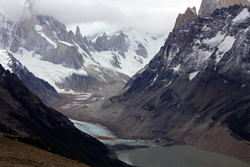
(177, 156)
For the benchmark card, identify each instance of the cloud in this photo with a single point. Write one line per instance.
(75, 12)
(12, 9)
(157, 17)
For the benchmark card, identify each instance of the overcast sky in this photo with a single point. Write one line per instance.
(153, 16)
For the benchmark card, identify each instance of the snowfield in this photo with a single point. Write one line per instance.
(129, 64)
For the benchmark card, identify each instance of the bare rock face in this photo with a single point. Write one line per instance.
(227, 3)
(208, 7)
(116, 42)
(44, 36)
(184, 18)
(141, 51)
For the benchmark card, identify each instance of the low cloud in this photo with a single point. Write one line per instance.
(13, 9)
(157, 17)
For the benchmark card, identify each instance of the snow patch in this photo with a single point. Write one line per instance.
(169, 83)
(38, 28)
(176, 69)
(48, 39)
(154, 80)
(225, 46)
(5, 60)
(215, 41)
(65, 43)
(243, 15)
(192, 75)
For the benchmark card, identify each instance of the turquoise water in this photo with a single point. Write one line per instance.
(177, 156)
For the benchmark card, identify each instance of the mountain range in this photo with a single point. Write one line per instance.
(194, 91)
(94, 63)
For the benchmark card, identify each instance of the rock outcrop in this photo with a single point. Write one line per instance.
(208, 7)
(184, 18)
(141, 51)
(227, 3)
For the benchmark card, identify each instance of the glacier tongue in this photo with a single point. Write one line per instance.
(48, 71)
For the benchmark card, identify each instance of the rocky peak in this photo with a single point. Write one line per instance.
(193, 10)
(184, 18)
(82, 41)
(102, 43)
(227, 3)
(141, 51)
(208, 7)
(78, 32)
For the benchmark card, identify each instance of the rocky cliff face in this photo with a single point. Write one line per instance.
(96, 81)
(44, 36)
(227, 3)
(209, 6)
(25, 118)
(184, 18)
(195, 87)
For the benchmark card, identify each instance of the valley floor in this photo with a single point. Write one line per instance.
(217, 139)
(14, 153)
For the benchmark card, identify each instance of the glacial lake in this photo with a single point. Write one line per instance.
(177, 156)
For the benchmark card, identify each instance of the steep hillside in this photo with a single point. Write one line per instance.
(23, 116)
(18, 154)
(39, 87)
(195, 90)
